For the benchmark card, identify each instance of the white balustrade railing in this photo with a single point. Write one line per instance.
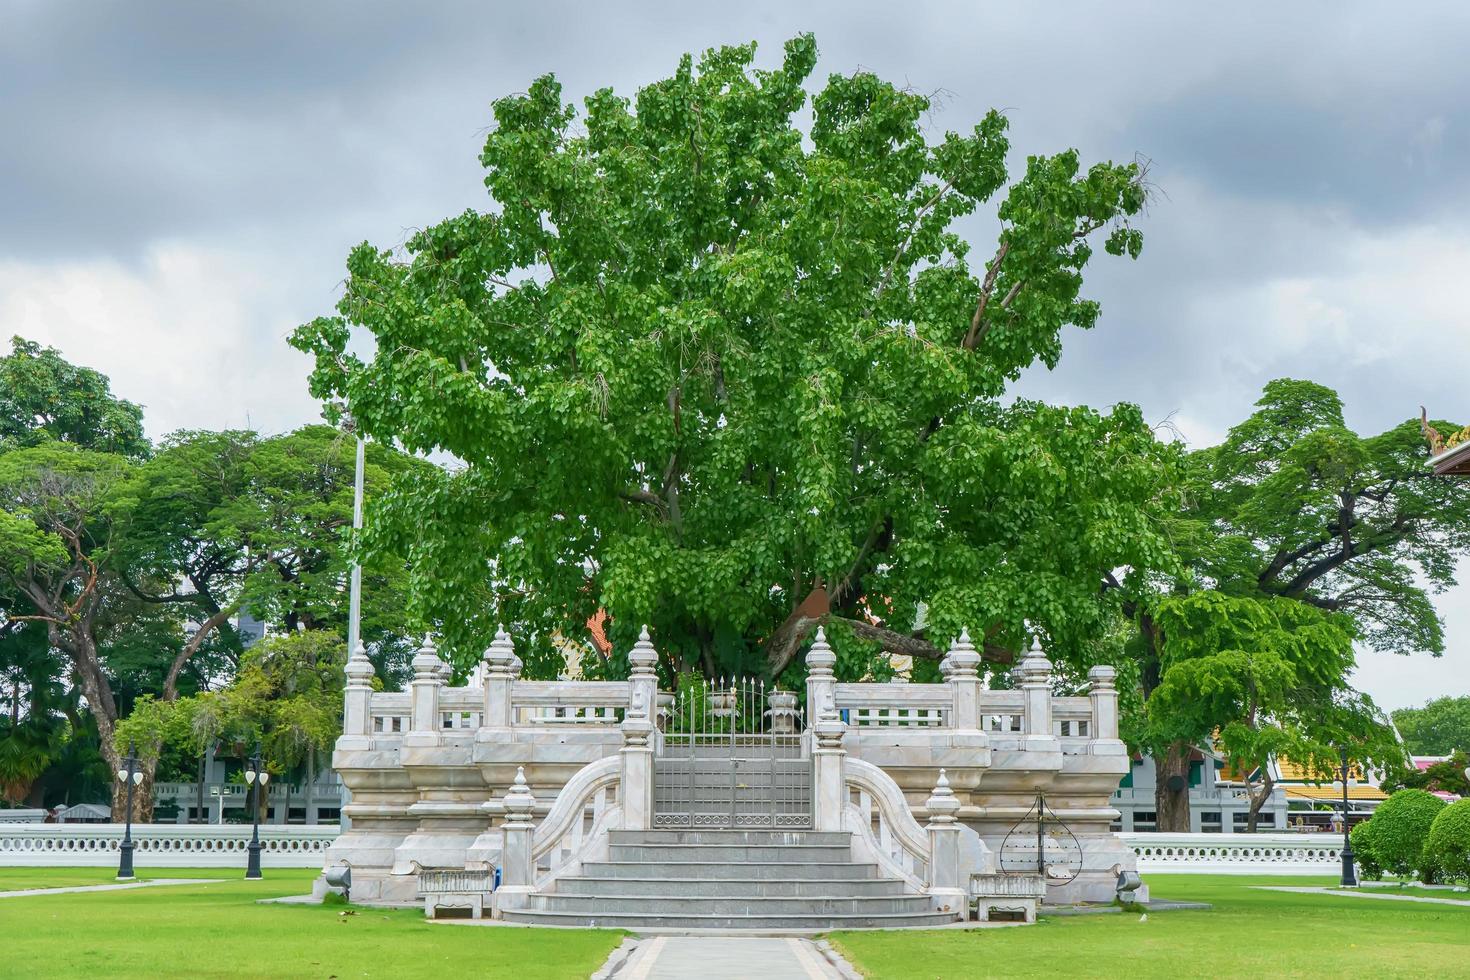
(893, 705)
(390, 717)
(569, 702)
(585, 809)
(460, 708)
(1319, 854)
(162, 845)
(1002, 713)
(878, 813)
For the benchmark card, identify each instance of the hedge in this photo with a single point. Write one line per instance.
(1448, 849)
(1394, 837)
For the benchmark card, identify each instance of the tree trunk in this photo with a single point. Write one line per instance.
(1171, 789)
(1258, 798)
(142, 797)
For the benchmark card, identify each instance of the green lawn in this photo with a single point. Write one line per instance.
(1452, 895)
(217, 930)
(18, 879)
(1248, 933)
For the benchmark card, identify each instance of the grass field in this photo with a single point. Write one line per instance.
(218, 930)
(1248, 933)
(1449, 893)
(20, 879)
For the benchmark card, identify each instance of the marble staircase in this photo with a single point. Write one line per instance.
(729, 879)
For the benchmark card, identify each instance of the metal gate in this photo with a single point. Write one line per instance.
(733, 757)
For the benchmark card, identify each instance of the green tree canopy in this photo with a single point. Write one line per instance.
(43, 397)
(709, 370)
(1294, 508)
(1438, 728)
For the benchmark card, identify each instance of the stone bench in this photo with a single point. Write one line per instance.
(454, 889)
(1007, 893)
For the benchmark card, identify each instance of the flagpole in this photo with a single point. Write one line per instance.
(354, 608)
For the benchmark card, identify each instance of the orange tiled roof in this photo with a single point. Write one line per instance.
(1358, 791)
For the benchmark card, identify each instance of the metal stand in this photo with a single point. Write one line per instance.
(125, 850)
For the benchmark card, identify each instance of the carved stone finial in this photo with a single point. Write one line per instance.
(519, 801)
(643, 658)
(942, 804)
(426, 663)
(820, 658)
(500, 657)
(1103, 677)
(360, 669)
(962, 660)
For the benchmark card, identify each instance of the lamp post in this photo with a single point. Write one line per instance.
(1349, 873)
(129, 776)
(256, 777)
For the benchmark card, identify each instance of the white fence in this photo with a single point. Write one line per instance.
(163, 845)
(1283, 854)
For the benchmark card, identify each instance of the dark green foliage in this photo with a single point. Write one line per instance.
(701, 368)
(1361, 837)
(1448, 847)
(1440, 727)
(45, 398)
(1398, 830)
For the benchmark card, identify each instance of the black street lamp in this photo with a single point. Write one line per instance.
(257, 777)
(1349, 873)
(129, 776)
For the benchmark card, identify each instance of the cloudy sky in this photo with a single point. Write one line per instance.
(180, 183)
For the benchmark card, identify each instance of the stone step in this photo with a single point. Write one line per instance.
(810, 923)
(717, 853)
(744, 905)
(665, 886)
(775, 870)
(703, 836)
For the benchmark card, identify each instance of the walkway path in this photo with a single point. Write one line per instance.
(720, 958)
(122, 886)
(1368, 893)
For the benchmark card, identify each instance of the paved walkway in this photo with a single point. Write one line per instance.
(122, 886)
(711, 958)
(1368, 893)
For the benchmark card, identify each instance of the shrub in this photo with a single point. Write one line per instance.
(1448, 849)
(1362, 841)
(1399, 829)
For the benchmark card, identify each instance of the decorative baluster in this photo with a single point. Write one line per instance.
(357, 715)
(501, 667)
(949, 892)
(518, 869)
(963, 663)
(1035, 685)
(637, 764)
(819, 679)
(1104, 697)
(428, 679)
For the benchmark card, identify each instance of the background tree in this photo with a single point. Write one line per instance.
(1438, 728)
(44, 398)
(286, 697)
(1294, 505)
(1263, 679)
(707, 370)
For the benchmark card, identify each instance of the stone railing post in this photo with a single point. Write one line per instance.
(501, 669)
(1034, 674)
(819, 679)
(428, 678)
(637, 772)
(643, 676)
(950, 893)
(357, 698)
(961, 668)
(517, 861)
(827, 763)
(1104, 697)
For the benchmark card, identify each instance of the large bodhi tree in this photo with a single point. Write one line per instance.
(711, 370)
